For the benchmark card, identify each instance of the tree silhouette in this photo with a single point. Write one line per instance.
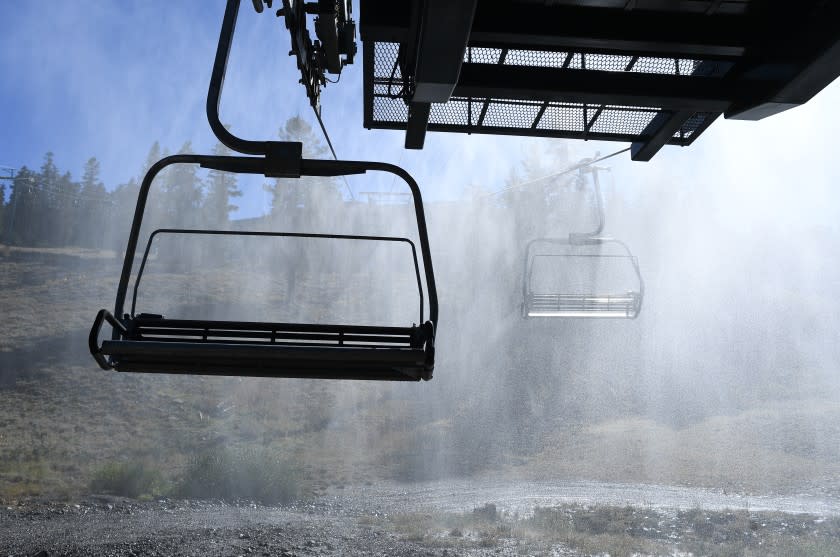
(95, 206)
(220, 187)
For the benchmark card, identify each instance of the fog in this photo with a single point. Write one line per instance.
(735, 335)
(726, 383)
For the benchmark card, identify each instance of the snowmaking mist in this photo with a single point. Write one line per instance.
(726, 349)
(726, 379)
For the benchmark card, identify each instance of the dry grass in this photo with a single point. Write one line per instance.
(779, 447)
(625, 532)
(62, 419)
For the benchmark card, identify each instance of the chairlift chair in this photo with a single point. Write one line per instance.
(581, 298)
(150, 343)
(582, 295)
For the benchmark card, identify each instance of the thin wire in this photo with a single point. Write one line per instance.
(327, 137)
(566, 171)
(66, 195)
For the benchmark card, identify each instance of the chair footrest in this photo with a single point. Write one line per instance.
(152, 344)
(232, 359)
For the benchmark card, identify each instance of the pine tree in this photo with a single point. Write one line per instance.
(2, 211)
(124, 201)
(182, 193)
(95, 205)
(22, 208)
(309, 200)
(152, 157)
(220, 187)
(65, 212)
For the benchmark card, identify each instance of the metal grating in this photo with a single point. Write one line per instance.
(630, 120)
(695, 124)
(511, 114)
(584, 61)
(536, 58)
(531, 117)
(562, 116)
(482, 55)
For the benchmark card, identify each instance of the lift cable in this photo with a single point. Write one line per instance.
(562, 172)
(332, 150)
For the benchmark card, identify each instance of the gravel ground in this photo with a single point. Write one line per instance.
(106, 526)
(429, 519)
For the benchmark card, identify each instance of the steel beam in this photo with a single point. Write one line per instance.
(597, 87)
(415, 128)
(444, 31)
(660, 130)
(579, 28)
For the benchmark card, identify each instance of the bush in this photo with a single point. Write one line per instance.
(254, 475)
(128, 479)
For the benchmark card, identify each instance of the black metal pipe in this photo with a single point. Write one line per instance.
(134, 233)
(217, 81)
(309, 167)
(280, 235)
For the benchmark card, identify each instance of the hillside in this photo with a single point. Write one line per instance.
(62, 420)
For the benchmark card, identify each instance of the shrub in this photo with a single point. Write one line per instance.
(252, 474)
(128, 479)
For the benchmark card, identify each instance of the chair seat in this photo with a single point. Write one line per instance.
(277, 360)
(153, 344)
(624, 305)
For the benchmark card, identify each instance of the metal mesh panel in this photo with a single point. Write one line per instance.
(453, 112)
(531, 117)
(482, 55)
(693, 124)
(535, 58)
(665, 66)
(598, 62)
(562, 117)
(622, 120)
(389, 110)
(605, 62)
(511, 114)
(384, 56)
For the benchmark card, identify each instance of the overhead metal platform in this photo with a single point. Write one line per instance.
(648, 72)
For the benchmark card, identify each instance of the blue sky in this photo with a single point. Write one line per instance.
(107, 79)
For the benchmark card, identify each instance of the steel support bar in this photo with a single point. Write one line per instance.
(526, 25)
(596, 87)
(444, 32)
(418, 122)
(660, 130)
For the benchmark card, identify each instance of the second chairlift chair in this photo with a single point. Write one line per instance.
(155, 344)
(585, 297)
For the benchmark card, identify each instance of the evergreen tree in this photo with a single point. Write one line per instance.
(2, 211)
(22, 208)
(182, 193)
(308, 200)
(220, 187)
(123, 202)
(152, 157)
(65, 213)
(95, 205)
